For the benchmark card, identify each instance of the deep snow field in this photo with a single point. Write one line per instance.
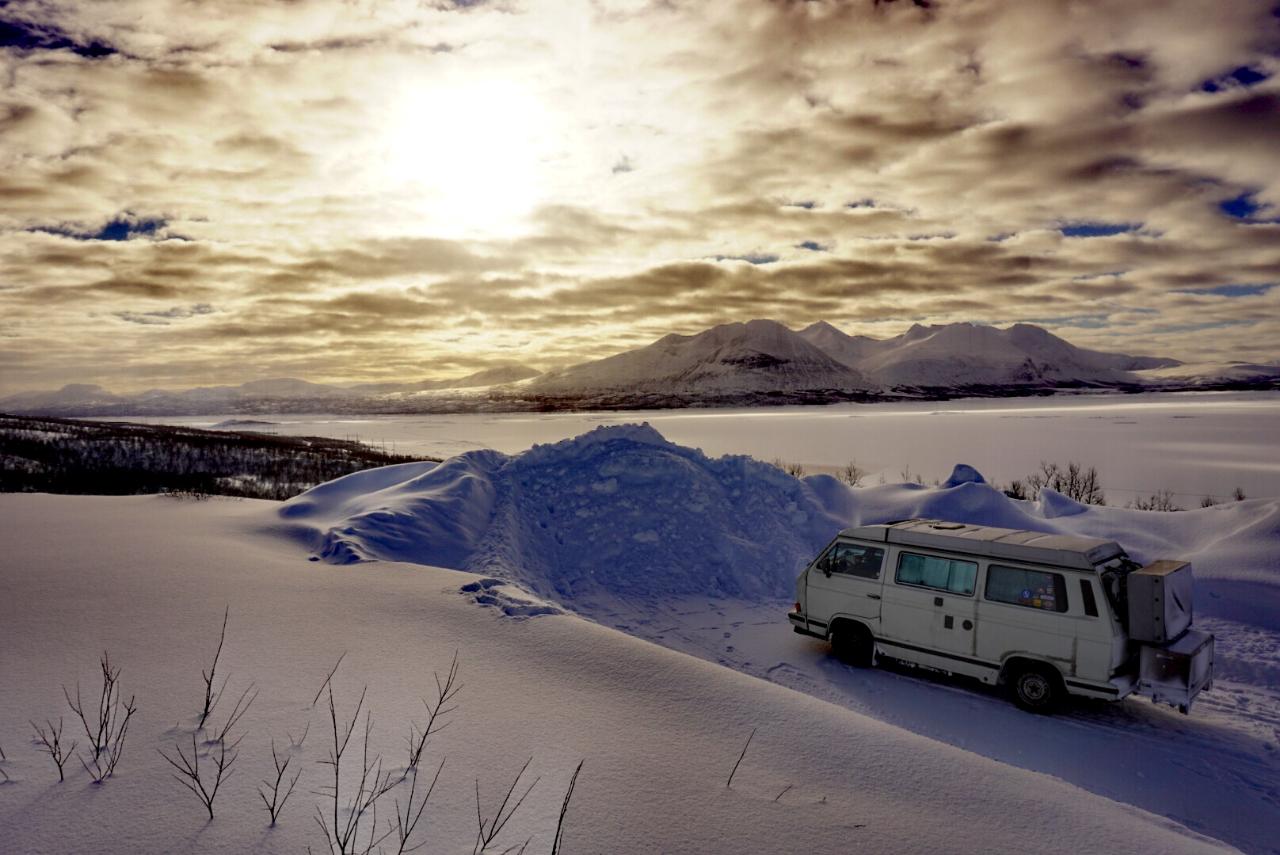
(1191, 443)
(574, 556)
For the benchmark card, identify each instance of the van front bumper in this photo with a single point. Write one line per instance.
(806, 627)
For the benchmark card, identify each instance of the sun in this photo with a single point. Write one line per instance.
(471, 157)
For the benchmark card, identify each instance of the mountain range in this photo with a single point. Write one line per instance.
(760, 361)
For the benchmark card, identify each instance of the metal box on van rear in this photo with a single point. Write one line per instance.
(1159, 601)
(1176, 673)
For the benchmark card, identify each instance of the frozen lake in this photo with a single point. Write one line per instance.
(1192, 443)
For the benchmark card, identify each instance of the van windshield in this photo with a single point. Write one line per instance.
(1115, 584)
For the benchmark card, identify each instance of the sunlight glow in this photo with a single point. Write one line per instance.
(471, 154)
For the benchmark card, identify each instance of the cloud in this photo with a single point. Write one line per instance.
(366, 188)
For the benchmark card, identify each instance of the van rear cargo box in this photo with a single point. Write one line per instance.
(1159, 601)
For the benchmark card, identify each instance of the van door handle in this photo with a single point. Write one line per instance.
(874, 596)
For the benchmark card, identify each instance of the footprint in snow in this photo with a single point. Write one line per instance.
(513, 603)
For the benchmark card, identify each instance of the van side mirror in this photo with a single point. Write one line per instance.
(824, 564)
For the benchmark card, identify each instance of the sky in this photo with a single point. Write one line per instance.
(353, 190)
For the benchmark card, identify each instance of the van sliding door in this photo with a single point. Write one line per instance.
(928, 611)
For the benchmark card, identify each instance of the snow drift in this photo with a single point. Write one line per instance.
(621, 512)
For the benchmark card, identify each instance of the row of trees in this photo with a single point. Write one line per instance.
(65, 456)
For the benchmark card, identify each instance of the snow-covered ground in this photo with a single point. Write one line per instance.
(574, 556)
(1192, 444)
(148, 577)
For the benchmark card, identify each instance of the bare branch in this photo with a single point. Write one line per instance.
(212, 695)
(488, 830)
(320, 690)
(564, 809)
(446, 690)
(729, 783)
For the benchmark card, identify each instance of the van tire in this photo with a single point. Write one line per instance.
(1035, 688)
(852, 644)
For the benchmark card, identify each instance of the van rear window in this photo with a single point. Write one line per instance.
(931, 571)
(1031, 588)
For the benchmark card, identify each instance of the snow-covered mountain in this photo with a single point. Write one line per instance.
(959, 355)
(757, 356)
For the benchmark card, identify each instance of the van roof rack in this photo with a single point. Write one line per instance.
(1038, 547)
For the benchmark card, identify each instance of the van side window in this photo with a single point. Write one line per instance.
(1031, 588)
(1090, 604)
(931, 571)
(853, 559)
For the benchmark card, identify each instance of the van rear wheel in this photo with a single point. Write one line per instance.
(1035, 688)
(852, 644)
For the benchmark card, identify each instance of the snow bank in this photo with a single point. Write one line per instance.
(621, 512)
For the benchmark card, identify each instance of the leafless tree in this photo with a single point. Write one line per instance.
(1075, 482)
(564, 809)
(346, 835)
(1238, 494)
(107, 728)
(1159, 501)
(211, 695)
(189, 774)
(279, 789)
(437, 710)
(489, 829)
(50, 742)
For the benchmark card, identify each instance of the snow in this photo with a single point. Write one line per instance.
(619, 598)
(659, 730)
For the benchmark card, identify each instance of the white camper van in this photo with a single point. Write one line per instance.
(1046, 615)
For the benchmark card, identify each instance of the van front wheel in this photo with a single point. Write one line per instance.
(1035, 688)
(852, 644)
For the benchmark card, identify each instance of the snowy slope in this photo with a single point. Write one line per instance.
(963, 354)
(757, 356)
(658, 731)
(621, 512)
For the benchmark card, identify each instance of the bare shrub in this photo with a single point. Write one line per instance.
(909, 478)
(1208, 502)
(852, 474)
(49, 740)
(489, 829)
(1159, 501)
(1238, 495)
(279, 789)
(189, 774)
(105, 729)
(1017, 489)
